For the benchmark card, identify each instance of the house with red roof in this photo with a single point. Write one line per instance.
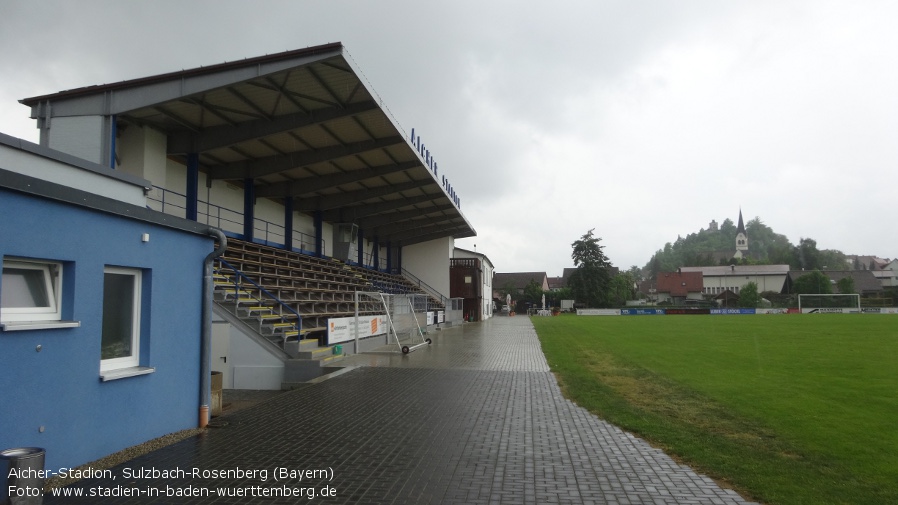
(677, 287)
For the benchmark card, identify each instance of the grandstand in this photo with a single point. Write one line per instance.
(295, 158)
(288, 295)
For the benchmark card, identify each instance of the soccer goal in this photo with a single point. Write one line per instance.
(819, 303)
(404, 317)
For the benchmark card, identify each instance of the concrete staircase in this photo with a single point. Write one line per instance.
(308, 361)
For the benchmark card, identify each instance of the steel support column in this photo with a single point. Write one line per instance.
(319, 233)
(376, 254)
(288, 223)
(193, 185)
(249, 209)
(361, 247)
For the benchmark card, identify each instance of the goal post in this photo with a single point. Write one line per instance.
(829, 303)
(402, 314)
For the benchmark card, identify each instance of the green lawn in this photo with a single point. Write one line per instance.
(786, 409)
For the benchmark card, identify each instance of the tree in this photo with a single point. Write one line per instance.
(533, 291)
(812, 283)
(846, 285)
(654, 266)
(508, 289)
(833, 259)
(554, 298)
(808, 255)
(748, 296)
(588, 252)
(621, 289)
(636, 273)
(591, 280)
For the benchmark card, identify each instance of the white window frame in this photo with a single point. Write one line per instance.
(134, 359)
(52, 278)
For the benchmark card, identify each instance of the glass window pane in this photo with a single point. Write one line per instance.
(118, 315)
(24, 288)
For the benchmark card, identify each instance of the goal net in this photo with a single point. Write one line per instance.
(842, 303)
(403, 316)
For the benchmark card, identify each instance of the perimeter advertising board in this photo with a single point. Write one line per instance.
(879, 310)
(642, 312)
(598, 312)
(792, 310)
(341, 329)
(835, 310)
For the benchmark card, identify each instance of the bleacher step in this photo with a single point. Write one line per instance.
(320, 353)
(308, 344)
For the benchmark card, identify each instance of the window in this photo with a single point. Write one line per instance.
(120, 347)
(30, 291)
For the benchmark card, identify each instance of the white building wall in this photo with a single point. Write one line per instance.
(23, 162)
(249, 365)
(141, 152)
(80, 136)
(717, 284)
(487, 287)
(429, 261)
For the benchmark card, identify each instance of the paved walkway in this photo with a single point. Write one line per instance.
(474, 418)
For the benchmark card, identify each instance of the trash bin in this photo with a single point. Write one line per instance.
(22, 476)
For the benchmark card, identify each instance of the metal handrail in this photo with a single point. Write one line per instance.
(430, 290)
(216, 215)
(241, 275)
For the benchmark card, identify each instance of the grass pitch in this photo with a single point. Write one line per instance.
(787, 409)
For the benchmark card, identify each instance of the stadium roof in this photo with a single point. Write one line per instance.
(299, 124)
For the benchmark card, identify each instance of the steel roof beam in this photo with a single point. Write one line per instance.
(400, 216)
(313, 184)
(176, 118)
(249, 103)
(353, 213)
(411, 226)
(274, 164)
(211, 110)
(428, 237)
(323, 84)
(282, 89)
(223, 136)
(328, 202)
(415, 236)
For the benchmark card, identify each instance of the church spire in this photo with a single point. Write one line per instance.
(741, 238)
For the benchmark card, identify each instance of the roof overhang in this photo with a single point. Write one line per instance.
(300, 125)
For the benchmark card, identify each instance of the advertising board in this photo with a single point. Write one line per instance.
(598, 312)
(341, 329)
(642, 312)
(733, 311)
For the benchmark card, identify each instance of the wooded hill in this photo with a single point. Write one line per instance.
(765, 247)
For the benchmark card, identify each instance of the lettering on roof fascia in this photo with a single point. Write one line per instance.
(431, 163)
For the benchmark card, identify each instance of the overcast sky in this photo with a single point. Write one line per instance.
(643, 120)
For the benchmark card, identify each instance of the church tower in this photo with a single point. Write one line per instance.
(741, 239)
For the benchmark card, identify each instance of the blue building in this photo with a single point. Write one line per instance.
(101, 316)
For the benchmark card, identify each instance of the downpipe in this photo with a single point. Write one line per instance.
(206, 332)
